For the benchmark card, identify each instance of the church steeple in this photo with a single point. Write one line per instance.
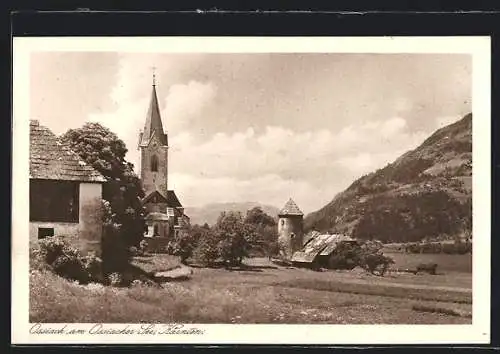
(153, 126)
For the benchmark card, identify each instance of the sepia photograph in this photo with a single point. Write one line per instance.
(195, 186)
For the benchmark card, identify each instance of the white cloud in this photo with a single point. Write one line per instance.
(294, 154)
(184, 101)
(132, 94)
(269, 167)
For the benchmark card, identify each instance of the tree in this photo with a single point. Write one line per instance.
(207, 251)
(103, 150)
(265, 228)
(256, 216)
(186, 241)
(235, 237)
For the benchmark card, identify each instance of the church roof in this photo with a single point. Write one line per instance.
(290, 208)
(153, 125)
(52, 159)
(156, 197)
(172, 200)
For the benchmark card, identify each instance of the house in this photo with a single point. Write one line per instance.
(65, 193)
(164, 212)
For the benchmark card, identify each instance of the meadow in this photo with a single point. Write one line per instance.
(262, 292)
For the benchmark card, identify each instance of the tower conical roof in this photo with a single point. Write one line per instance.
(153, 126)
(290, 208)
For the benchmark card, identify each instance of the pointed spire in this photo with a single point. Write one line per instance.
(153, 126)
(290, 208)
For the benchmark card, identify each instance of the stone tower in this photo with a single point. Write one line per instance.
(290, 228)
(153, 143)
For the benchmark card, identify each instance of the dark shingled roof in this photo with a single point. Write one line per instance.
(51, 159)
(171, 199)
(290, 208)
(153, 126)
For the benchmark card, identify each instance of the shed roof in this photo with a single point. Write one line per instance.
(319, 245)
(52, 159)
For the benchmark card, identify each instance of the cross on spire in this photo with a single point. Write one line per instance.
(154, 76)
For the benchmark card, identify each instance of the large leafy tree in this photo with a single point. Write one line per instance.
(102, 149)
(265, 229)
(236, 237)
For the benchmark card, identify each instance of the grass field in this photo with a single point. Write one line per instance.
(446, 262)
(259, 293)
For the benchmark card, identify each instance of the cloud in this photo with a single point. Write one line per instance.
(316, 155)
(132, 93)
(269, 167)
(185, 101)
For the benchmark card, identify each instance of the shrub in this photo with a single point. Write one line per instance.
(183, 244)
(93, 267)
(376, 262)
(71, 267)
(50, 248)
(55, 254)
(346, 256)
(37, 261)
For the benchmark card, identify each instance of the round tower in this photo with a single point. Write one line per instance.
(290, 229)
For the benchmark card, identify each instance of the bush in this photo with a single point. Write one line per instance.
(93, 267)
(37, 261)
(183, 244)
(56, 254)
(376, 262)
(346, 256)
(50, 248)
(71, 267)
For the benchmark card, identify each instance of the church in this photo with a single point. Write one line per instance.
(164, 212)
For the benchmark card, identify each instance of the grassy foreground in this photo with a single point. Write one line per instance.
(258, 294)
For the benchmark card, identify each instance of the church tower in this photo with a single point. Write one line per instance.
(165, 214)
(153, 143)
(290, 229)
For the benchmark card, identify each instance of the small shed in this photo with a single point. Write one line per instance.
(319, 248)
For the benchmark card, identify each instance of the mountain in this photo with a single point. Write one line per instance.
(426, 193)
(210, 212)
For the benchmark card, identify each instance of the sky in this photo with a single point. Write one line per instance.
(258, 127)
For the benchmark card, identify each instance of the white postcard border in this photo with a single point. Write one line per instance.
(478, 332)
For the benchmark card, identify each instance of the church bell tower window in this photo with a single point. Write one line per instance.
(154, 163)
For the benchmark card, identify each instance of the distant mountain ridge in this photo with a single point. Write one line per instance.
(210, 212)
(425, 193)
